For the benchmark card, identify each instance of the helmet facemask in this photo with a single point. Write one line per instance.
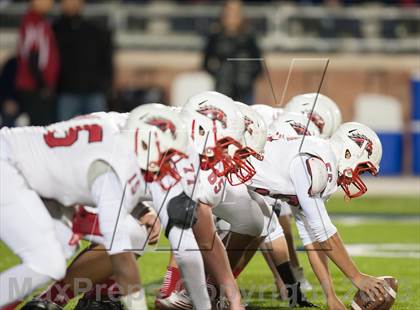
(218, 158)
(253, 141)
(164, 171)
(351, 177)
(358, 150)
(215, 130)
(243, 169)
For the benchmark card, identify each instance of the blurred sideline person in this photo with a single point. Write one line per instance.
(232, 40)
(10, 110)
(86, 62)
(38, 63)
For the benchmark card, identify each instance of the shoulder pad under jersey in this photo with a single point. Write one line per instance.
(318, 175)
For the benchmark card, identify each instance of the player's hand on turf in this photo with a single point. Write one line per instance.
(373, 287)
(152, 223)
(335, 304)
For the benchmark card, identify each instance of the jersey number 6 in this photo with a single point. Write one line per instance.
(94, 131)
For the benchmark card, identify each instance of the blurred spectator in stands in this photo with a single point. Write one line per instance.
(86, 62)
(9, 107)
(38, 63)
(232, 55)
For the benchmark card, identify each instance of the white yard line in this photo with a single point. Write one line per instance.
(357, 219)
(391, 186)
(392, 250)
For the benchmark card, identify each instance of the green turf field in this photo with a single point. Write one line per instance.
(391, 240)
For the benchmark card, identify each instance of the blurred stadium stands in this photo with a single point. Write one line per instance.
(280, 26)
(373, 48)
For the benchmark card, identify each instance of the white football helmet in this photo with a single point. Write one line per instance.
(358, 150)
(253, 142)
(291, 124)
(215, 126)
(268, 113)
(324, 113)
(158, 137)
(335, 112)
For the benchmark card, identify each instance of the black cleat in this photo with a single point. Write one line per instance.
(297, 299)
(92, 304)
(306, 304)
(38, 304)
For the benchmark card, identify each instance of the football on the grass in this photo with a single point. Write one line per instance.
(362, 302)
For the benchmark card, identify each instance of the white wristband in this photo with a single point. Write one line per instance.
(135, 301)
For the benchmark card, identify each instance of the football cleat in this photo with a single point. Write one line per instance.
(176, 300)
(297, 299)
(305, 304)
(222, 304)
(92, 304)
(36, 304)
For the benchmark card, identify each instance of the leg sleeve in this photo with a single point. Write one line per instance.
(190, 263)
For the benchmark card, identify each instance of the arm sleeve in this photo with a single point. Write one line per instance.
(107, 193)
(315, 221)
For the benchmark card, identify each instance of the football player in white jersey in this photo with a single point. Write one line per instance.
(246, 220)
(215, 127)
(288, 126)
(310, 172)
(327, 117)
(170, 192)
(84, 160)
(201, 185)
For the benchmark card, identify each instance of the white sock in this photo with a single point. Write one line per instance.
(135, 301)
(191, 266)
(18, 282)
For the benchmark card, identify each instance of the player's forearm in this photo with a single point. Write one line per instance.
(334, 248)
(319, 263)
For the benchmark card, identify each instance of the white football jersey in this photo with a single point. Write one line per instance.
(272, 176)
(209, 188)
(55, 160)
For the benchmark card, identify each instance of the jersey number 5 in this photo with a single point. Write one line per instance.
(94, 135)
